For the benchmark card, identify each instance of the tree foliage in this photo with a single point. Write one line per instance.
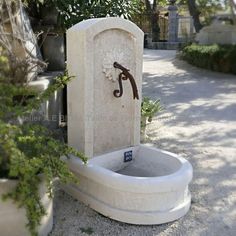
(74, 11)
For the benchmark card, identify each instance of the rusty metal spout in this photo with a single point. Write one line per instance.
(125, 75)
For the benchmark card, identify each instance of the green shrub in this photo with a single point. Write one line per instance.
(149, 108)
(215, 57)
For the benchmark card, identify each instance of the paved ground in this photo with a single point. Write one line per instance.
(199, 122)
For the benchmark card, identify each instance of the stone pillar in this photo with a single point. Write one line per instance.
(173, 22)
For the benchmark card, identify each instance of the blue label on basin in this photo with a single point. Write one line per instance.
(128, 156)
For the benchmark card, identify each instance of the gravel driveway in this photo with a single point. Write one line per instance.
(199, 123)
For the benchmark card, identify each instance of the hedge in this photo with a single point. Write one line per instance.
(221, 58)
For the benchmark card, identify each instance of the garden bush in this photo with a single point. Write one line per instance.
(221, 58)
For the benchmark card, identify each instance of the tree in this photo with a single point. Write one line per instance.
(152, 11)
(74, 11)
(233, 9)
(195, 13)
(203, 10)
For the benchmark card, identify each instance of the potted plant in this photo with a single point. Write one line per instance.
(29, 160)
(30, 154)
(149, 108)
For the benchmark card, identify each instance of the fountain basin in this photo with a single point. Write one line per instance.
(152, 188)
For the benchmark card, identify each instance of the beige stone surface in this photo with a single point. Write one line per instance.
(98, 122)
(134, 197)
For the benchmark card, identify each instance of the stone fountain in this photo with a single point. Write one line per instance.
(123, 179)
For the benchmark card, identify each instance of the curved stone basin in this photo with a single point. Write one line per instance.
(150, 189)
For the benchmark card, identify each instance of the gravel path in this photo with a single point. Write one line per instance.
(199, 123)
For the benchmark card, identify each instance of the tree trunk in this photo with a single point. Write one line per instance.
(233, 9)
(153, 18)
(155, 27)
(194, 12)
(148, 6)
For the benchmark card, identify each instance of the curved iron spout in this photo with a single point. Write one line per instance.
(124, 75)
